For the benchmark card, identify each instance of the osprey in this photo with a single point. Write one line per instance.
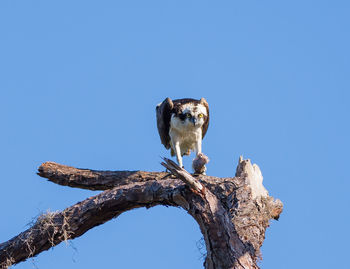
(182, 124)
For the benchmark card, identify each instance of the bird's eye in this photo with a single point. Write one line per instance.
(200, 115)
(188, 115)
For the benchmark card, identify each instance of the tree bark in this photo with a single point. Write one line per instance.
(233, 213)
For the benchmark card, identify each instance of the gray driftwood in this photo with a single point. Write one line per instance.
(232, 213)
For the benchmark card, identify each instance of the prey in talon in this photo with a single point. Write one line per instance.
(198, 164)
(182, 125)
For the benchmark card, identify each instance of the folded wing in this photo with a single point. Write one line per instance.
(163, 111)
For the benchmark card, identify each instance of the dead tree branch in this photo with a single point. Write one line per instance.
(233, 213)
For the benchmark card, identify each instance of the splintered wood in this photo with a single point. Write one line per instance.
(233, 213)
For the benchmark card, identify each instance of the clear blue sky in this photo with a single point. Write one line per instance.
(79, 81)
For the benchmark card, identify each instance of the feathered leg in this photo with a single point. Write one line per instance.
(178, 153)
(198, 145)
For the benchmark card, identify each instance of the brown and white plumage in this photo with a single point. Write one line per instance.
(182, 124)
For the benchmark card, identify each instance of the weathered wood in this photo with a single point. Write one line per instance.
(93, 179)
(232, 214)
(183, 175)
(52, 228)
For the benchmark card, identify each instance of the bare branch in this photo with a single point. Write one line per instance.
(233, 213)
(52, 228)
(186, 177)
(93, 179)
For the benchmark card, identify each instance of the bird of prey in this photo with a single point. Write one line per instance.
(182, 124)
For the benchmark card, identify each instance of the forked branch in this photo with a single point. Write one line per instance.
(232, 214)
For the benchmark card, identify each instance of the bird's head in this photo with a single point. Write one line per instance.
(192, 115)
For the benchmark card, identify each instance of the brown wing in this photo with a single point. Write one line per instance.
(163, 112)
(206, 119)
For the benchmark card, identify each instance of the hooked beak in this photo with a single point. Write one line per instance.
(194, 120)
